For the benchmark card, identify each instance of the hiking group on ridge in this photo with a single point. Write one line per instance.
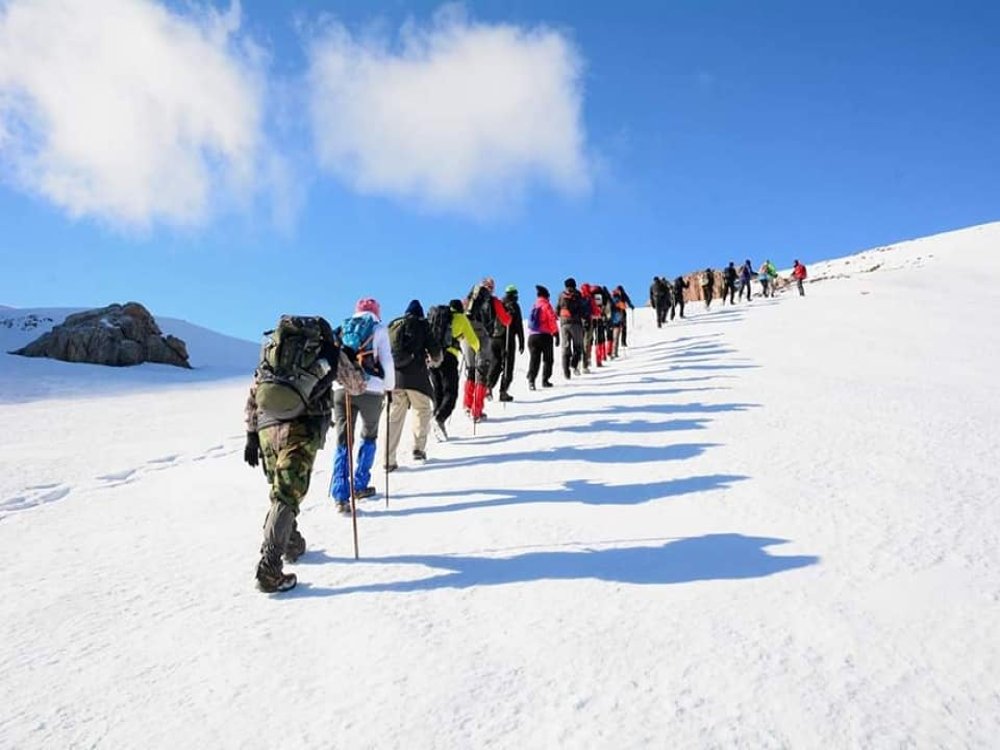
(312, 375)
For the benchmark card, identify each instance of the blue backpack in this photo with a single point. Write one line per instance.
(358, 334)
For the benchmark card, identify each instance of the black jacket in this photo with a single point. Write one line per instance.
(515, 331)
(414, 375)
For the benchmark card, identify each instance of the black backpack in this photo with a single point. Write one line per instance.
(480, 307)
(439, 319)
(406, 340)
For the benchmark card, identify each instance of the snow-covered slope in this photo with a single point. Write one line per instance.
(213, 356)
(773, 525)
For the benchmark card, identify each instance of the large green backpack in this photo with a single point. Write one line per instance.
(293, 373)
(406, 340)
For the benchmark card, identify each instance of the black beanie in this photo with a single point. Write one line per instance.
(542, 291)
(570, 283)
(415, 309)
(456, 305)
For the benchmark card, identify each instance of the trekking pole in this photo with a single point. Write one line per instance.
(388, 406)
(350, 470)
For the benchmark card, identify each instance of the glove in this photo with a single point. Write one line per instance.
(251, 453)
(557, 339)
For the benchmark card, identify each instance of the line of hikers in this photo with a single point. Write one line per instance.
(667, 298)
(311, 374)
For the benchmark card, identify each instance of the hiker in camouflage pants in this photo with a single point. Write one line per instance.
(289, 451)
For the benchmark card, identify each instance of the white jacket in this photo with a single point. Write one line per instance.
(383, 355)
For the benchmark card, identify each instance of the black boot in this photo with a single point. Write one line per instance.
(270, 578)
(296, 546)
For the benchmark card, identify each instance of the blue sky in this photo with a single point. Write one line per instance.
(299, 155)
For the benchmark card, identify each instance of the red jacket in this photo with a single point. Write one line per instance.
(799, 272)
(501, 312)
(545, 318)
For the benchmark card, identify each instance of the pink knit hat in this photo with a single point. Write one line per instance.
(368, 304)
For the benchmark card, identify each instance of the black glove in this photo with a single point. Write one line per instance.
(251, 453)
(556, 340)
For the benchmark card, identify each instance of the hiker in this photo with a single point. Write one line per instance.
(620, 290)
(482, 309)
(680, 284)
(659, 299)
(729, 276)
(412, 347)
(286, 437)
(451, 328)
(364, 334)
(799, 274)
(589, 324)
(607, 308)
(767, 273)
(543, 334)
(503, 342)
(746, 275)
(707, 282)
(616, 323)
(595, 327)
(570, 310)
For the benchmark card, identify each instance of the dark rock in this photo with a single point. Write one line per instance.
(116, 335)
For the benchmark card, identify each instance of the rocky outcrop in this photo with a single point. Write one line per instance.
(694, 292)
(116, 335)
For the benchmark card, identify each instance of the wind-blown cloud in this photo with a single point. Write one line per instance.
(124, 111)
(454, 114)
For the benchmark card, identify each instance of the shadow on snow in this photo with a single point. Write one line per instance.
(713, 557)
(575, 491)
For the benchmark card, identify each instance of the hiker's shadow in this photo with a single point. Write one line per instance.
(704, 558)
(575, 491)
(635, 426)
(616, 454)
(636, 392)
(612, 409)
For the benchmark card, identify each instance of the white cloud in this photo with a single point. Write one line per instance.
(456, 115)
(124, 111)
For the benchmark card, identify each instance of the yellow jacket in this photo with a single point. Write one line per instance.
(461, 328)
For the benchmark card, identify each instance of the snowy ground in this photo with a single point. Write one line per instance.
(774, 525)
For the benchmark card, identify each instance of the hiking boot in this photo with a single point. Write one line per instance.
(391, 467)
(344, 508)
(419, 455)
(576, 371)
(295, 548)
(504, 396)
(546, 384)
(531, 385)
(364, 492)
(440, 432)
(586, 371)
(270, 578)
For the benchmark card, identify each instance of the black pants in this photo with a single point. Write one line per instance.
(572, 345)
(678, 305)
(802, 292)
(497, 364)
(745, 284)
(662, 305)
(707, 291)
(729, 291)
(540, 351)
(444, 381)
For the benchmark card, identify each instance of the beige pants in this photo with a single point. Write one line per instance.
(422, 407)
